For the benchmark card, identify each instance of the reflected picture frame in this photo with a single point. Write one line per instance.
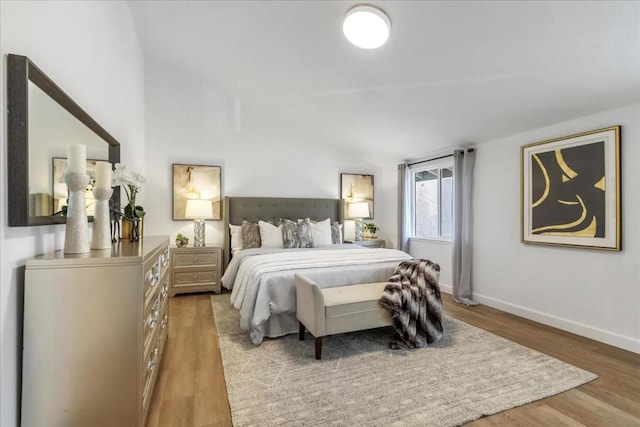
(196, 182)
(570, 191)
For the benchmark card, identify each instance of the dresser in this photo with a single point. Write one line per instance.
(95, 326)
(195, 269)
(368, 243)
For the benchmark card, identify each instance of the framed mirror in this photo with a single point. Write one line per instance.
(42, 121)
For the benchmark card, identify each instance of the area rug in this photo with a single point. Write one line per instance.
(361, 382)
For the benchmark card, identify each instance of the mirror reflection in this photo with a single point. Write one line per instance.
(51, 129)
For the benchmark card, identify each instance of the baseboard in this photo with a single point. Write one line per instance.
(607, 337)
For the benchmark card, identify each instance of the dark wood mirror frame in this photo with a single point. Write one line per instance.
(20, 70)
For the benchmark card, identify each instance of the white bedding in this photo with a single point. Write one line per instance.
(263, 284)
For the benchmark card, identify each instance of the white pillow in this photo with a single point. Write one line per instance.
(321, 232)
(270, 235)
(236, 237)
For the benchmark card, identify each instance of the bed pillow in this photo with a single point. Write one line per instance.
(297, 234)
(250, 235)
(236, 237)
(270, 235)
(321, 232)
(336, 233)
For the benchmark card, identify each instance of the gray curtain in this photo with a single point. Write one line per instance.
(404, 221)
(462, 248)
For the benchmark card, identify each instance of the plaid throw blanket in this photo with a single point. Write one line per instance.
(412, 296)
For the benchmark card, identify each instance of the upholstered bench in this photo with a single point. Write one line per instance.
(329, 311)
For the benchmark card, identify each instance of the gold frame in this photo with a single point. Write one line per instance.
(611, 139)
(214, 186)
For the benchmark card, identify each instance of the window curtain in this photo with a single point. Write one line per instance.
(462, 248)
(404, 221)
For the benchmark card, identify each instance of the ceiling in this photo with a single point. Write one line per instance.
(452, 73)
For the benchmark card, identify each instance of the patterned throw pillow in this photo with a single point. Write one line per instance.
(250, 235)
(297, 234)
(336, 233)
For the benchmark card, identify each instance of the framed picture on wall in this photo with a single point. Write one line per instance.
(196, 182)
(570, 190)
(356, 192)
(60, 191)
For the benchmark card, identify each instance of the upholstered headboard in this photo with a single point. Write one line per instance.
(253, 209)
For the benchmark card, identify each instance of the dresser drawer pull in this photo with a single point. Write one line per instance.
(165, 320)
(194, 259)
(195, 276)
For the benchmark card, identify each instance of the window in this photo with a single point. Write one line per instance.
(432, 200)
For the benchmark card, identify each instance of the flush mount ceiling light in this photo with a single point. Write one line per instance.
(366, 26)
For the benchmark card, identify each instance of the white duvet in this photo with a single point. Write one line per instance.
(263, 284)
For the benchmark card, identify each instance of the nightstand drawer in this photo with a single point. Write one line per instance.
(194, 277)
(195, 259)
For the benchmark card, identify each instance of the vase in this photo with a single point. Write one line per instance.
(76, 238)
(132, 228)
(101, 232)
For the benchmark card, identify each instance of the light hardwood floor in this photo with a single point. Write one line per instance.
(191, 390)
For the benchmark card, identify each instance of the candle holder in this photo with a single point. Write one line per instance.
(101, 233)
(76, 239)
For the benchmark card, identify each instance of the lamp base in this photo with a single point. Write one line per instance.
(358, 225)
(199, 226)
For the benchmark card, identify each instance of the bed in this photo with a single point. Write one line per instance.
(262, 280)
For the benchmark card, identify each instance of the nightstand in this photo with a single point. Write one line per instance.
(195, 269)
(371, 243)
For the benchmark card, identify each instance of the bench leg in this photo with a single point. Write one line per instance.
(301, 331)
(318, 348)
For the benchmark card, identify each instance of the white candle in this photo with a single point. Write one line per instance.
(103, 175)
(77, 158)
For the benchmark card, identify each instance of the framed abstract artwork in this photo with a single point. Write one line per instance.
(570, 190)
(196, 182)
(355, 191)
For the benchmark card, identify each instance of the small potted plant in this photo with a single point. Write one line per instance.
(181, 240)
(370, 230)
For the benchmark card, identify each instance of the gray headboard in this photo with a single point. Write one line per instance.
(252, 209)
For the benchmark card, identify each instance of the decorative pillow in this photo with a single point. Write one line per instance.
(270, 235)
(297, 234)
(336, 233)
(321, 232)
(236, 237)
(250, 235)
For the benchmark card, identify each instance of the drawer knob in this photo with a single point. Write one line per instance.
(195, 259)
(195, 276)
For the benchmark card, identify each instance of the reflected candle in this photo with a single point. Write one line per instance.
(103, 175)
(77, 159)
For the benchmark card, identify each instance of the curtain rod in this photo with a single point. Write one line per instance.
(436, 158)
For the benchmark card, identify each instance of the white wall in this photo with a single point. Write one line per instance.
(91, 50)
(192, 121)
(589, 292)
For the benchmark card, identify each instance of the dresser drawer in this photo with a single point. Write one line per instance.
(195, 259)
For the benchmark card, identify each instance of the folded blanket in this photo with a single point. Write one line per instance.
(412, 296)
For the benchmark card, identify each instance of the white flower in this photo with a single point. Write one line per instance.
(122, 176)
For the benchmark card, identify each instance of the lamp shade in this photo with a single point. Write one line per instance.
(358, 210)
(199, 209)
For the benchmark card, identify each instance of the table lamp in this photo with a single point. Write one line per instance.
(357, 211)
(199, 210)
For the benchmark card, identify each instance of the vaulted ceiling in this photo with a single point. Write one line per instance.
(452, 73)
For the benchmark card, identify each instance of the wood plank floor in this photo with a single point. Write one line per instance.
(191, 391)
